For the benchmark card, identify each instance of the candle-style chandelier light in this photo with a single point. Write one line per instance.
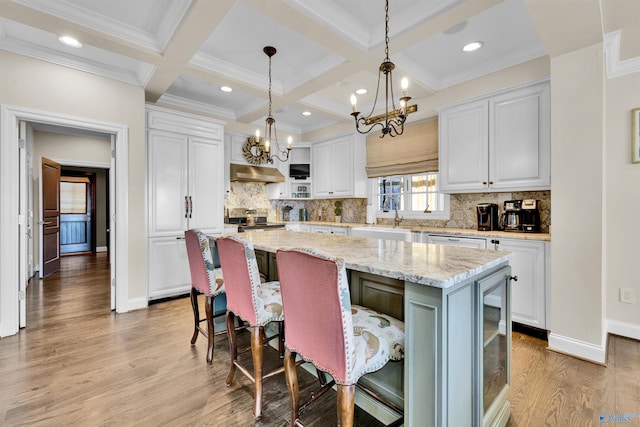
(270, 132)
(392, 121)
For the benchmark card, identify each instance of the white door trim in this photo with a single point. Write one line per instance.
(9, 199)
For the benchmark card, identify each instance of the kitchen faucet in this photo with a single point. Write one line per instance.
(397, 219)
(385, 206)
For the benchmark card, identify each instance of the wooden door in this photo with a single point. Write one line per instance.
(50, 216)
(77, 213)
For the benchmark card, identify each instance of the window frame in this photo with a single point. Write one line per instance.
(444, 214)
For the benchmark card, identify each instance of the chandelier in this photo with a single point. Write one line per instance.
(392, 121)
(271, 144)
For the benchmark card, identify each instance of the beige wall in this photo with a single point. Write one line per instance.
(41, 86)
(622, 185)
(577, 126)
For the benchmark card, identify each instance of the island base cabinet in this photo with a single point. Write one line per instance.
(444, 373)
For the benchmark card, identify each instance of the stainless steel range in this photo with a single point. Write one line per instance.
(251, 219)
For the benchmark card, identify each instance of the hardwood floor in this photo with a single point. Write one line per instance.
(78, 363)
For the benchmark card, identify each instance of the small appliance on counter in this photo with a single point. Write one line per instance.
(512, 216)
(487, 217)
(251, 219)
(530, 216)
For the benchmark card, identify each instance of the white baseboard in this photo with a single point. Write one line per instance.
(101, 249)
(624, 329)
(574, 347)
(137, 303)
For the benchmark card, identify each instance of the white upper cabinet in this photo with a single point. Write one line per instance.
(463, 149)
(186, 173)
(498, 143)
(338, 167)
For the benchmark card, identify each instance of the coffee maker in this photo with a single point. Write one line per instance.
(530, 216)
(512, 216)
(487, 217)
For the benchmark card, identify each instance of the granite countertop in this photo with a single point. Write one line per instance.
(546, 237)
(432, 265)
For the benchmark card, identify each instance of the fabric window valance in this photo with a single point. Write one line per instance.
(415, 151)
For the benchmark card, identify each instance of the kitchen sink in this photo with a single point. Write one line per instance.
(382, 233)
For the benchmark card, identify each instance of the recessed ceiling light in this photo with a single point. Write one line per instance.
(361, 91)
(70, 41)
(470, 47)
(225, 88)
(306, 113)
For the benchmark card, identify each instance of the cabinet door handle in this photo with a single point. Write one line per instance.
(190, 207)
(484, 182)
(453, 240)
(186, 206)
(495, 242)
(180, 238)
(514, 278)
(490, 182)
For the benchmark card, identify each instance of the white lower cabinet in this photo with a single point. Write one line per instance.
(528, 294)
(169, 273)
(467, 242)
(328, 229)
(529, 263)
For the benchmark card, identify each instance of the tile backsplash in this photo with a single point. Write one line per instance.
(462, 207)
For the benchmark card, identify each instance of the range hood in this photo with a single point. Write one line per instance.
(246, 173)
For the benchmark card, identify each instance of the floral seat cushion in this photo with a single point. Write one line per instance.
(377, 338)
(216, 280)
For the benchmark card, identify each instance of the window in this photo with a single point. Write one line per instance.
(414, 196)
(73, 197)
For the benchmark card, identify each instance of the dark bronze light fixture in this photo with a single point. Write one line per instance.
(392, 121)
(270, 132)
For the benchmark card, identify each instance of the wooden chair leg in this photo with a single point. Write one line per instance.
(281, 339)
(233, 345)
(346, 396)
(256, 352)
(292, 384)
(196, 315)
(208, 307)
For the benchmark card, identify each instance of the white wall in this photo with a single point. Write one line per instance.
(622, 206)
(46, 87)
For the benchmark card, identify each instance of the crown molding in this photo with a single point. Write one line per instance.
(614, 65)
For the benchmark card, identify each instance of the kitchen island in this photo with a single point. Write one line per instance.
(457, 321)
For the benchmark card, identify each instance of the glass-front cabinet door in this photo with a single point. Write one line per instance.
(494, 315)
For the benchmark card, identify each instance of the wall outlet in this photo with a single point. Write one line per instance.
(627, 295)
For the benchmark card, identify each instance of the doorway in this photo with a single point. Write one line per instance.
(12, 297)
(84, 210)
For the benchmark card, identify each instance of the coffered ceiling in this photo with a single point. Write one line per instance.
(182, 51)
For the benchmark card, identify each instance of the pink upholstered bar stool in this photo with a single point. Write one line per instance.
(206, 278)
(254, 302)
(344, 340)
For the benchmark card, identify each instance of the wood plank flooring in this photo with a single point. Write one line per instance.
(77, 363)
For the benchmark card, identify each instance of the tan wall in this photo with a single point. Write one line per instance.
(577, 126)
(622, 179)
(41, 86)
(72, 149)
